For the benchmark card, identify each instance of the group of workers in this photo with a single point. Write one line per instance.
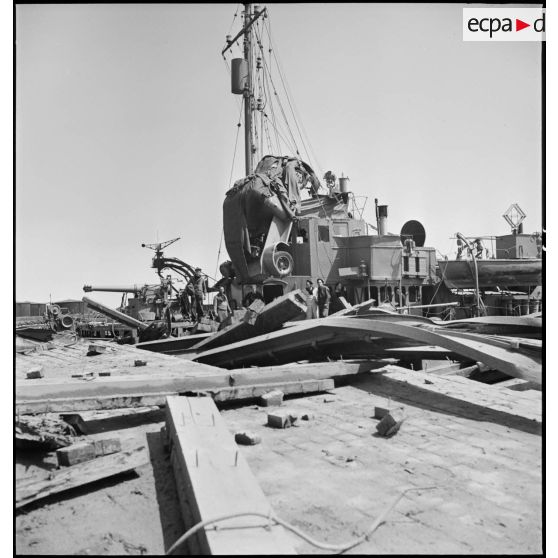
(192, 297)
(320, 299)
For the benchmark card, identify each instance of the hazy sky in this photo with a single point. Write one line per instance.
(126, 128)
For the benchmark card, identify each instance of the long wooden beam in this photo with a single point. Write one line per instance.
(213, 479)
(42, 396)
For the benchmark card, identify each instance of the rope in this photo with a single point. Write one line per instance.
(271, 517)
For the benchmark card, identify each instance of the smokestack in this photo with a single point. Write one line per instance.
(382, 219)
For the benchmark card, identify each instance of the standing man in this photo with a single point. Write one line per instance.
(311, 306)
(322, 297)
(221, 305)
(200, 291)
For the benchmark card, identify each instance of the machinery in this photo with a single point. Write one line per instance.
(276, 240)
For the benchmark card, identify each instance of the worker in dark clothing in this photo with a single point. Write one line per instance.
(200, 290)
(185, 305)
(322, 297)
(338, 291)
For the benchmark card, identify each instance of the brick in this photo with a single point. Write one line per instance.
(140, 362)
(107, 446)
(34, 373)
(390, 424)
(247, 438)
(281, 419)
(76, 453)
(272, 399)
(380, 412)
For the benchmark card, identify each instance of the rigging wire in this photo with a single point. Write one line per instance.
(281, 106)
(292, 106)
(238, 126)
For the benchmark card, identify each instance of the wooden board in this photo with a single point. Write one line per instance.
(28, 491)
(139, 391)
(213, 479)
(499, 356)
(519, 404)
(269, 318)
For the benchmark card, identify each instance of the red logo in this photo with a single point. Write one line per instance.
(519, 25)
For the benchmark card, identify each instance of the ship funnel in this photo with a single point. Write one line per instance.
(382, 219)
(239, 75)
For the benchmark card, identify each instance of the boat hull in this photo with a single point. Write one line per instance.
(460, 274)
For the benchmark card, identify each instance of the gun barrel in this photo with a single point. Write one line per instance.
(115, 314)
(112, 289)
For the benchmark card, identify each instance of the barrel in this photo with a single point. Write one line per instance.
(343, 186)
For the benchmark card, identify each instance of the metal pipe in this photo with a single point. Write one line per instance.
(112, 289)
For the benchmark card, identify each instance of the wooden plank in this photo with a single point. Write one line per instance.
(288, 388)
(491, 397)
(139, 391)
(259, 320)
(173, 344)
(31, 490)
(293, 341)
(213, 479)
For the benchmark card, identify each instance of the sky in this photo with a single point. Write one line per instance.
(126, 127)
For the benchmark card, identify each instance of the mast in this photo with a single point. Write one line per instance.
(249, 20)
(248, 140)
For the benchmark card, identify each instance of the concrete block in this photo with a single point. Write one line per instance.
(281, 419)
(140, 362)
(34, 373)
(107, 446)
(247, 438)
(380, 412)
(390, 423)
(76, 453)
(272, 399)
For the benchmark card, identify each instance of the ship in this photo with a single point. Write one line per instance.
(284, 227)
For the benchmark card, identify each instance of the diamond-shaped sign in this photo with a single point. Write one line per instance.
(514, 216)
